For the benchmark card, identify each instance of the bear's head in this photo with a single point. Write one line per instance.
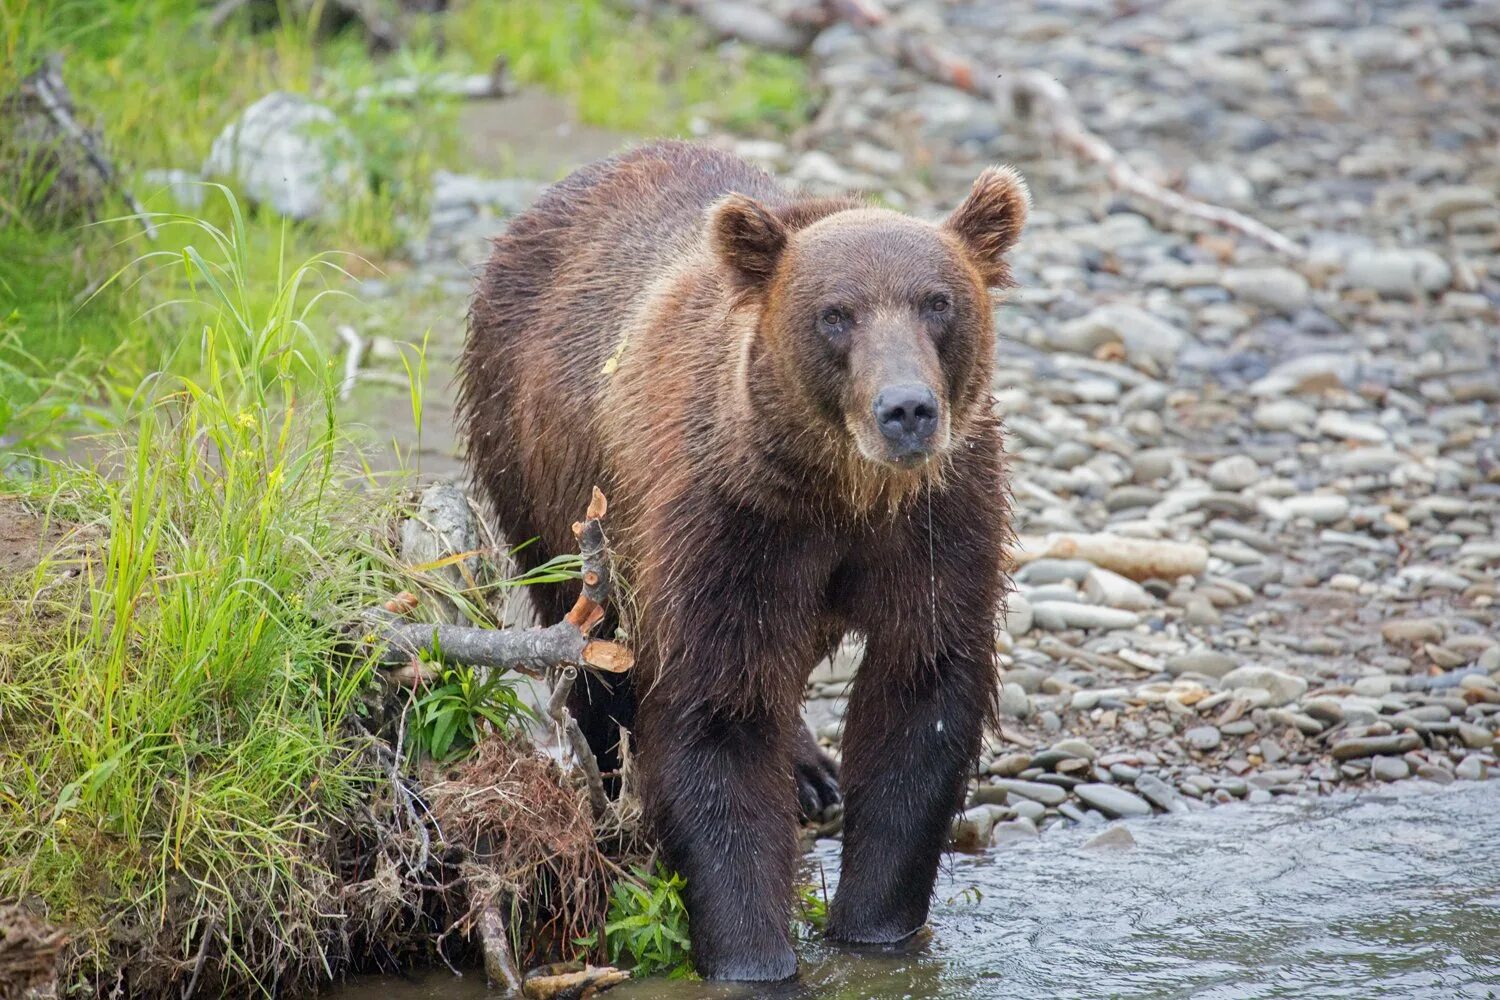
(875, 326)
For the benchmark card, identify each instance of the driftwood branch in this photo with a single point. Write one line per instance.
(1033, 94)
(556, 651)
(1024, 94)
(355, 347)
(469, 87)
(46, 85)
(529, 651)
(499, 964)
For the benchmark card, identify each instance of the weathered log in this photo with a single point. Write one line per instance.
(40, 119)
(499, 964)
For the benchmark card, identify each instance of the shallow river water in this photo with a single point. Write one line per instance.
(1389, 894)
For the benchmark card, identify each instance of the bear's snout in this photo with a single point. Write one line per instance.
(907, 415)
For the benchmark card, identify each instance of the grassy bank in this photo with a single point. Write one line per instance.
(175, 745)
(189, 786)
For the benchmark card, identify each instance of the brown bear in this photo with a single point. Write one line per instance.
(787, 401)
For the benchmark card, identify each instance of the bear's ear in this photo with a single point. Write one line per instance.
(990, 220)
(747, 237)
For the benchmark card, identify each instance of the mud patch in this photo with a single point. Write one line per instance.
(28, 538)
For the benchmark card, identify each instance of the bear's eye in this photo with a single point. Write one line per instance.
(833, 321)
(938, 303)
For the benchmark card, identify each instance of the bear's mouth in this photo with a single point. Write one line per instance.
(877, 449)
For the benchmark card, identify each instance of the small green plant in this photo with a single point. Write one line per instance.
(451, 716)
(647, 926)
(970, 895)
(809, 911)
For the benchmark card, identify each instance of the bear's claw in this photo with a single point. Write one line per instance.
(817, 778)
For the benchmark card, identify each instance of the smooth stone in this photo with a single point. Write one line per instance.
(1234, 473)
(1116, 838)
(1435, 774)
(1013, 831)
(1404, 273)
(1159, 793)
(1372, 746)
(1284, 415)
(1018, 617)
(1389, 769)
(1276, 288)
(1110, 589)
(1014, 702)
(1283, 688)
(1202, 738)
(1029, 809)
(1323, 508)
(1475, 737)
(1057, 616)
(1049, 795)
(1472, 768)
(1010, 765)
(1209, 663)
(1113, 800)
(1076, 747)
(1142, 334)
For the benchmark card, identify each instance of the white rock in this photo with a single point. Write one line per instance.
(1283, 688)
(1341, 426)
(1276, 288)
(1319, 508)
(1102, 586)
(1284, 415)
(1234, 473)
(1398, 273)
(1018, 616)
(1056, 616)
(1143, 335)
(289, 153)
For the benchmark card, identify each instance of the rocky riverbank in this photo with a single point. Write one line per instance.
(1322, 431)
(1316, 437)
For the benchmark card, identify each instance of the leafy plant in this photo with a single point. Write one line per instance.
(809, 911)
(450, 716)
(647, 926)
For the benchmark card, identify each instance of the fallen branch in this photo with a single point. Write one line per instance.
(1032, 94)
(356, 346)
(51, 95)
(468, 87)
(585, 614)
(530, 651)
(499, 964)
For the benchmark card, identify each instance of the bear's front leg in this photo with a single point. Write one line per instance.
(912, 732)
(722, 663)
(723, 805)
(920, 701)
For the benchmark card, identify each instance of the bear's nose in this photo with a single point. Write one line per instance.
(907, 415)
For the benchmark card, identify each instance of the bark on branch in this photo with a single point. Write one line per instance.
(410, 648)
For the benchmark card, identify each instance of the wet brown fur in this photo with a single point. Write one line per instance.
(646, 327)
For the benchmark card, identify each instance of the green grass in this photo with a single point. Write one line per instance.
(173, 745)
(632, 73)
